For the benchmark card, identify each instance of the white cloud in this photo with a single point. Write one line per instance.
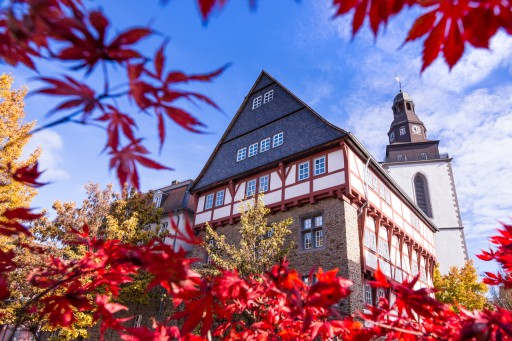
(50, 160)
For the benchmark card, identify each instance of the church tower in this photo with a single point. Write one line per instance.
(426, 176)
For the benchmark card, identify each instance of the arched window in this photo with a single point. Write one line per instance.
(408, 106)
(422, 195)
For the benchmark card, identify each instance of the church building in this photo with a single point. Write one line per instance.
(348, 212)
(426, 175)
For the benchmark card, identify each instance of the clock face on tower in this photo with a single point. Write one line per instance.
(416, 129)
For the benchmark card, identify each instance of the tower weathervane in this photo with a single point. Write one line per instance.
(399, 83)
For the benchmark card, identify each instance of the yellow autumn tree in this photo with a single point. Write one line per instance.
(461, 286)
(260, 246)
(14, 135)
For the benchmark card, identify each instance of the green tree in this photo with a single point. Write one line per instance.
(261, 245)
(461, 286)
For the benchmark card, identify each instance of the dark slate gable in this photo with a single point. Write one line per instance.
(303, 129)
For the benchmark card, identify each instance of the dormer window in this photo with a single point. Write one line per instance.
(392, 136)
(256, 102)
(402, 131)
(253, 149)
(265, 145)
(241, 154)
(268, 96)
(157, 199)
(277, 140)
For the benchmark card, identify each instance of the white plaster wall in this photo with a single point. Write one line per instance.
(202, 217)
(239, 195)
(449, 244)
(297, 190)
(221, 212)
(290, 179)
(200, 204)
(439, 185)
(275, 181)
(335, 161)
(227, 197)
(272, 197)
(181, 223)
(328, 181)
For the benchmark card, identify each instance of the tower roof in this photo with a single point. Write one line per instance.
(401, 96)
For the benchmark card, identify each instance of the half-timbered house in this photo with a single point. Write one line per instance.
(348, 212)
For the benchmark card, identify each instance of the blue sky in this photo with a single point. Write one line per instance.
(350, 83)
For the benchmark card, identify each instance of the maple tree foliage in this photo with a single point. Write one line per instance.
(282, 306)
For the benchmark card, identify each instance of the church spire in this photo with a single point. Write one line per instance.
(406, 126)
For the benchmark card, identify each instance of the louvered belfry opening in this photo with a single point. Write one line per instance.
(422, 197)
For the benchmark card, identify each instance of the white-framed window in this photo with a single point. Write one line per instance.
(381, 293)
(312, 232)
(383, 249)
(165, 225)
(157, 200)
(256, 102)
(319, 238)
(208, 203)
(423, 156)
(219, 201)
(303, 171)
(415, 222)
(264, 183)
(414, 268)
(241, 154)
(268, 96)
(277, 140)
(402, 130)
(265, 145)
(368, 294)
(253, 149)
(369, 240)
(401, 157)
(137, 320)
(251, 188)
(320, 165)
(423, 274)
(307, 240)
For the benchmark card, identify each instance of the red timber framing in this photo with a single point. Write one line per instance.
(287, 176)
(350, 186)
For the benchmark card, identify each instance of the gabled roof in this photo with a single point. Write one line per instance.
(302, 127)
(176, 197)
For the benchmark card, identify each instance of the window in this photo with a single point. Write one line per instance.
(277, 140)
(264, 184)
(265, 145)
(423, 156)
(415, 221)
(251, 188)
(157, 200)
(368, 294)
(268, 96)
(241, 154)
(253, 149)
(414, 268)
(212, 246)
(165, 225)
(312, 232)
(208, 203)
(392, 136)
(369, 240)
(137, 321)
(270, 232)
(401, 157)
(220, 198)
(383, 249)
(423, 274)
(408, 106)
(422, 196)
(320, 165)
(381, 293)
(256, 102)
(304, 171)
(402, 130)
